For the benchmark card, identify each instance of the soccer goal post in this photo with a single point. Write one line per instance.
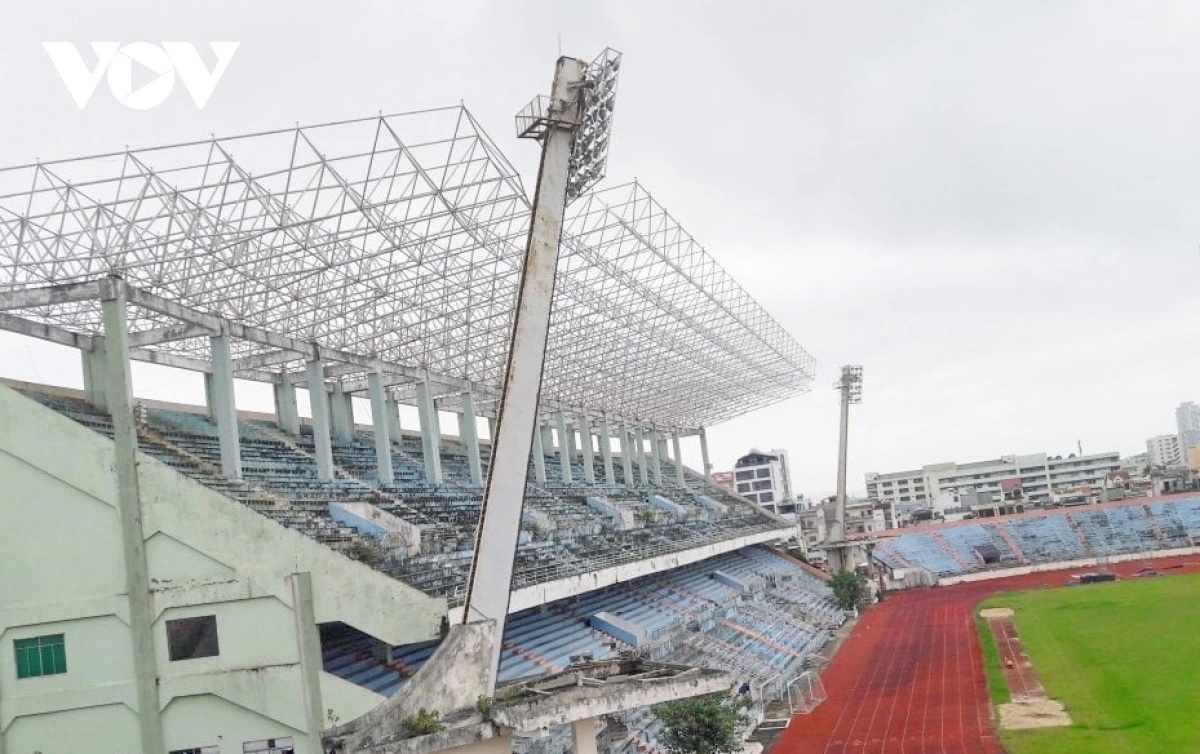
(806, 693)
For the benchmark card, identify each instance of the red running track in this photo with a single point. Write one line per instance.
(909, 678)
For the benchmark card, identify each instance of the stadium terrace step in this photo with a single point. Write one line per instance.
(1012, 543)
(1097, 531)
(1159, 536)
(954, 553)
(280, 481)
(1083, 540)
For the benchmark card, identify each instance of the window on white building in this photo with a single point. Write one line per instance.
(192, 638)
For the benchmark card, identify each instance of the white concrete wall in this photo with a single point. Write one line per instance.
(207, 555)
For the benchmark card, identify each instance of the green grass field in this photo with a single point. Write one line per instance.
(1123, 657)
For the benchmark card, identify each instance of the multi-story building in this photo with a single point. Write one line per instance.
(1136, 465)
(1187, 424)
(906, 490)
(763, 477)
(1164, 451)
(1038, 477)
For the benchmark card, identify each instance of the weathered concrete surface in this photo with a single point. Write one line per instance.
(476, 737)
(453, 679)
(450, 682)
(586, 697)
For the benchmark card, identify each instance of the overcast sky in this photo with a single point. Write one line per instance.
(993, 207)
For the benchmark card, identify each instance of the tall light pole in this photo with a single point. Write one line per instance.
(849, 387)
(573, 126)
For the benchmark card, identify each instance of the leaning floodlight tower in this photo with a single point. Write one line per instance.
(573, 125)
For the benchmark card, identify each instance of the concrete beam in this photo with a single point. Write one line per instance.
(41, 331)
(29, 298)
(168, 334)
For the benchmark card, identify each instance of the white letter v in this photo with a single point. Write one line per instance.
(79, 80)
(200, 81)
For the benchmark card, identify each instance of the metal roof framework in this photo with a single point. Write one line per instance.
(388, 243)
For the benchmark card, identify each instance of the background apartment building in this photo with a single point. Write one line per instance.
(1039, 477)
(764, 478)
(1187, 425)
(1164, 451)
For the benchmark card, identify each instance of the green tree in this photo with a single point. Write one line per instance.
(702, 725)
(850, 589)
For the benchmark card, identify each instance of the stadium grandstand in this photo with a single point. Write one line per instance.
(1041, 540)
(248, 578)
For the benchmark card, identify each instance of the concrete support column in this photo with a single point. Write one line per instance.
(343, 414)
(572, 445)
(431, 433)
(656, 476)
(468, 430)
(393, 418)
(539, 455)
(639, 454)
(606, 452)
(626, 455)
(318, 403)
(564, 449)
(383, 433)
(704, 453)
(308, 639)
(585, 445)
(210, 401)
(95, 375)
(287, 414)
(224, 407)
(583, 735)
(130, 515)
(679, 477)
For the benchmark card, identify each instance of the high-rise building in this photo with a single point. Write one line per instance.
(764, 478)
(1187, 423)
(1164, 451)
(1039, 477)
